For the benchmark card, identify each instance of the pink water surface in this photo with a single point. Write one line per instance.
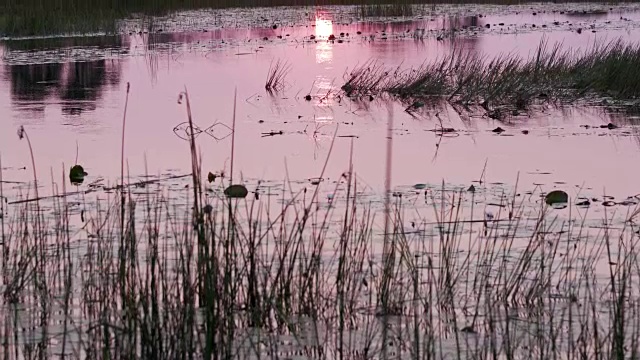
(64, 103)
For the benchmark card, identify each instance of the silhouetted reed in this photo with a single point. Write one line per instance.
(508, 83)
(191, 273)
(276, 76)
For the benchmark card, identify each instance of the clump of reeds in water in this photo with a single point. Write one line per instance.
(276, 76)
(509, 82)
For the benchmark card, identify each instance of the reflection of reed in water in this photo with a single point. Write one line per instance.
(152, 60)
(151, 56)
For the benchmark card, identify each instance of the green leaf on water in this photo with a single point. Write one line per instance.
(419, 186)
(236, 191)
(556, 197)
(77, 174)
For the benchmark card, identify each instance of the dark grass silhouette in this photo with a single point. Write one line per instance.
(151, 276)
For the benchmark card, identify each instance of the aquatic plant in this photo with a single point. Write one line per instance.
(396, 9)
(77, 174)
(276, 76)
(509, 84)
(274, 287)
(39, 17)
(196, 274)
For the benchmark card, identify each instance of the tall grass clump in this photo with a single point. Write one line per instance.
(276, 76)
(508, 82)
(175, 272)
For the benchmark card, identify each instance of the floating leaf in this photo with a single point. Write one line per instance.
(609, 126)
(211, 177)
(77, 174)
(468, 329)
(236, 191)
(584, 202)
(556, 197)
(316, 181)
(419, 186)
(471, 189)
(627, 202)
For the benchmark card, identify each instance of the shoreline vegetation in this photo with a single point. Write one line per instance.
(142, 274)
(38, 17)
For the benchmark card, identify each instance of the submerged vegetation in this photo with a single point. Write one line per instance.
(509, 84)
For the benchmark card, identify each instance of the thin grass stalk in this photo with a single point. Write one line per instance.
(2, 202)
(388, 247)
(122, 245)
(229, 246)
(344, 239)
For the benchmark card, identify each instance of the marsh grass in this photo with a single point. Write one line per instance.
(276, 76)
(40, 17)
(398, 9)
(154, 273)
(508, 83)
(290, 293)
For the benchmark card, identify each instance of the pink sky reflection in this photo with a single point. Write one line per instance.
(601, 159)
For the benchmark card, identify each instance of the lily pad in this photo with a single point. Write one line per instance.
(419, 186)
(556, 197)
(236, 191)
(316, 181)
(584, 202)
(77, 174)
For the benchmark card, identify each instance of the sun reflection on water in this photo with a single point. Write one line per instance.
(324, 28)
